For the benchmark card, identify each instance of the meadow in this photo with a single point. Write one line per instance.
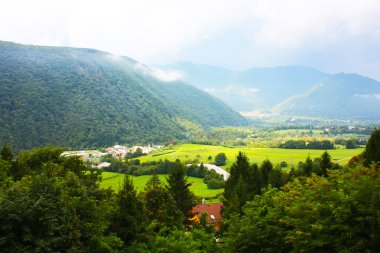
(114, 180)
(186, 152)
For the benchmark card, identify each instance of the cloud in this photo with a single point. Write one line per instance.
(209, 90)
(333, 35)
(165, 75)
(375, 96)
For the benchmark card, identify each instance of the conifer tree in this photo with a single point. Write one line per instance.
(372, 149)
(160, 205)
(178, 186)
(242, 185)
(325, 163)
(266, 168)
(307, 167)
(129, 219)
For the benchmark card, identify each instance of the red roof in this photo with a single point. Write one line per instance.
(211, 209)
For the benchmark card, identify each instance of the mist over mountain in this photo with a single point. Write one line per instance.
(88, 98)
(289, 90)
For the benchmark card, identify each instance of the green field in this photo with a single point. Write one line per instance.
(114, 180)
(275, 155)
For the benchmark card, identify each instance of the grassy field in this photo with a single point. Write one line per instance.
(114, 180)
(275, 155)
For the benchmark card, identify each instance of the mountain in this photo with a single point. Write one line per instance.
(290, 90)
(252, 89)
(341, 95)
(88, 98)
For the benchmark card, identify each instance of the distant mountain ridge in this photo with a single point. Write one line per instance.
(289, 90)
(84, 98)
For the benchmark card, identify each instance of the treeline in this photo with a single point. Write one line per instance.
(51, 203)
(135, 168)
(330, 209)
(300, 144)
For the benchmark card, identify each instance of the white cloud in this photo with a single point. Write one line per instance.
(209, 90)
(336, 35)
(376, 95)
(165, 75)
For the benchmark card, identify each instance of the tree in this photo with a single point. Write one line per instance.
(266, 168)
(325, 163)
(160, 205)
(220, 159)
(307, 167)
(56, 207)
(178, 186)
(241, 186)
(129, 219)
(372, 149)
(318, 214)
(350, 144)
(6, 153)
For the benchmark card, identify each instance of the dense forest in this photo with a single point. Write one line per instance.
(87, 98)
(50, 203)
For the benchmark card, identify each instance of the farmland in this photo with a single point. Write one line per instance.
(275, 155)
(114, 180)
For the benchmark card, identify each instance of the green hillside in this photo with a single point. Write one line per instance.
(84, 98)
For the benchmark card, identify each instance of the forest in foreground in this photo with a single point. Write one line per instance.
(51, 203)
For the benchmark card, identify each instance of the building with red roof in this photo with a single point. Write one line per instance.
(212, 212)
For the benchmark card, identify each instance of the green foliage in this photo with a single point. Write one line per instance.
(178, 186)
(83, 98)
(213, 180)
(292, 144)
(220, 159)
(372, 150)
(6, 153)
(240, 186)
(160, 205)
(338, 213)
(179, 241)
(55, 206)
(325, 163)
(265, 170)
(129, 220)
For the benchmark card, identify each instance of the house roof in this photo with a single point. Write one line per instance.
(212, 209)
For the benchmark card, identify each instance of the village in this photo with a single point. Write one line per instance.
(117, 151)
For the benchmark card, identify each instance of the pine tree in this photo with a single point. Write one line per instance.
(160, 205)
(178, 186)
(372, 149)
(307, 167)
(266, 168)
(325, 163)
(254, 181)
(129, 219)
(242, 185)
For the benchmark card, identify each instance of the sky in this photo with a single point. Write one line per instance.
(330, 35)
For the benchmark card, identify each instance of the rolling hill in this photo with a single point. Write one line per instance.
(84, 98)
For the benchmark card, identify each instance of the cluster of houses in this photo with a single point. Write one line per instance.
(117, 151)
(92, 156)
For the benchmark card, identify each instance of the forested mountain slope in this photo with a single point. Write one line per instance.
(88, 98)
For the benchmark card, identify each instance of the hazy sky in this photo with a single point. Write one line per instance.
(331, 35)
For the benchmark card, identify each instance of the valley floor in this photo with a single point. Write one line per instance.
(187, 152)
